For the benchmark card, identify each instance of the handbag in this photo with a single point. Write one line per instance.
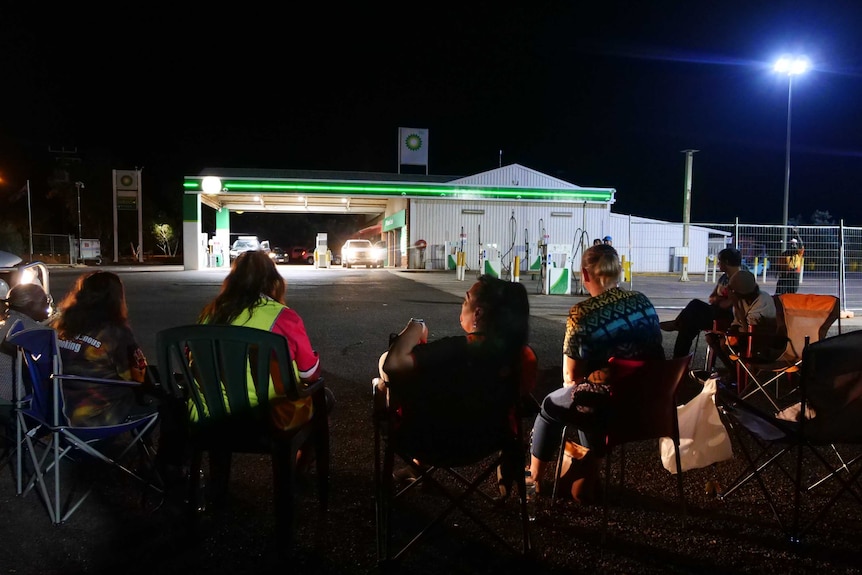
(703, 439)
(579, 475)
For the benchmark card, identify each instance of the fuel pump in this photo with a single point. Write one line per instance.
(321, 252)
(537, 264)
(557, 278)
(492, 260)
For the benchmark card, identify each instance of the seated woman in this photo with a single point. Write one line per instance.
(465, 375)
(610, 323)
(96, 340)
(252, 295)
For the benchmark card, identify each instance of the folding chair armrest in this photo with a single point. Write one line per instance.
(310, 388)
(98, 380)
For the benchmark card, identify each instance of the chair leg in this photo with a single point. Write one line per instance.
(321, 442)
(284, 489)
(559, 469)
(196, 496)
(220, 464)
(605, 496)
(321, 453)
(385, 494)
(679, 485)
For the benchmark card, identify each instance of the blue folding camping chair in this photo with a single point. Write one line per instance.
(52, 441)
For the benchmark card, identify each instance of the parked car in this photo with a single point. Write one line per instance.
(247, 243)
(278, 256)
(14, 271)
(301, 255)
(359, 252)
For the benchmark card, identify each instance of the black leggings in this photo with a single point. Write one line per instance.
(696, 317)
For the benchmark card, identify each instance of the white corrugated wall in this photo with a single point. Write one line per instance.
(507, 224)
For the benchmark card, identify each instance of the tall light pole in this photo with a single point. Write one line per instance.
(686, 211)
(792, 66)
(80, 185)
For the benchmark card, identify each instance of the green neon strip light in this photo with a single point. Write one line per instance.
(401, 189)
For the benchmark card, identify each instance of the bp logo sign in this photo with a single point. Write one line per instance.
(413, 142)
(126, 180)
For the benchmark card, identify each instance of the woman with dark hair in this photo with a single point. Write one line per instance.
(495, 318)
(612, 322)
(464, 378)
(252, 295)
(96, 340)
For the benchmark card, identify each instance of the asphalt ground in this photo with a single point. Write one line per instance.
(348, 314)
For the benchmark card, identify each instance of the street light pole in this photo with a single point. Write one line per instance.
(80, 185)
(686, 211)
(792, 66)
(787, 168)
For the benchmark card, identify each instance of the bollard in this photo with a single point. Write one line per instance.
(765, 265)
(459, 268)
(706, 270)
(516, 270)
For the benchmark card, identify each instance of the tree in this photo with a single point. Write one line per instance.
(822, 218)
(10, 239)
(166, 238)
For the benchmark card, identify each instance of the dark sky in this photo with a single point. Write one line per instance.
(597, 93)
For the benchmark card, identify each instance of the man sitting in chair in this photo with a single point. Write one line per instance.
(753, 309)
(699, 315)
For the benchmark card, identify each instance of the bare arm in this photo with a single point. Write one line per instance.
(399, 361)
(574, 370)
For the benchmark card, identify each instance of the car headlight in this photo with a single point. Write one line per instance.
(4, 289)
(28, 276)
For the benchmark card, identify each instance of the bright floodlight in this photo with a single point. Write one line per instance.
(792, 65)
(211, 185)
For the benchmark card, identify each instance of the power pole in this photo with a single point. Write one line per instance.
(686, 212)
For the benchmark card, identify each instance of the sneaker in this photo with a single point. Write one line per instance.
(669, 325)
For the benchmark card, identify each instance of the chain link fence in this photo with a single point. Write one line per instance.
(832, 260)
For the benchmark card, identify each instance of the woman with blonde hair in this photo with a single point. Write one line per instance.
(612, 322)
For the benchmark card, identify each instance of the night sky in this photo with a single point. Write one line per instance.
(599, 94)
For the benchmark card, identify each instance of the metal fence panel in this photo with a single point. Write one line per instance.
(53, 248)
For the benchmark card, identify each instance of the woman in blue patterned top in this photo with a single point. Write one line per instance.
(611, 323)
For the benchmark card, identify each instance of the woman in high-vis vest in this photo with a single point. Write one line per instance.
(252, 295)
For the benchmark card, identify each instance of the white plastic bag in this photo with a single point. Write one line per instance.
(703, 440)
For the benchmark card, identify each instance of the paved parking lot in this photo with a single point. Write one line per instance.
(348, 314)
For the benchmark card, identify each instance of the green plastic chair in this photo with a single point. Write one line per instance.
(209, 366)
